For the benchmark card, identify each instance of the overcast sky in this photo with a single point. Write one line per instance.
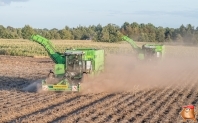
(59, 13)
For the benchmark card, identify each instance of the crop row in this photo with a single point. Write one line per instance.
(27, 48)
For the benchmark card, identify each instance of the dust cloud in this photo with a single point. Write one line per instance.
(125, 73)
(34, 87)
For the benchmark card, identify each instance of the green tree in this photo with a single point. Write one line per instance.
(65, 34)
(105, 36)
(126, 29)
(160, 36)
(143, 37)
(182, 30)
(151, 37)
(110, 33)
(19, 33)
(77, 34)
(168, 34)
(3, 32)
(27, 31)
(134, 31)
(54, 34)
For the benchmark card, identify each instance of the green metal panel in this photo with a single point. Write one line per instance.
(61, 86)
(99, 60)
(97, 56)
(59, 69)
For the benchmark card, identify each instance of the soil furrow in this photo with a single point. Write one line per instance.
(173, 107)
(166, 100)
(69, 108)
(111, 114)
(92, 111)
(35, 107)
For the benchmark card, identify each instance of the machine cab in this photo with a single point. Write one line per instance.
(153, 51)
(74, 63)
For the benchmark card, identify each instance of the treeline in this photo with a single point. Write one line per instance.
(109, 33)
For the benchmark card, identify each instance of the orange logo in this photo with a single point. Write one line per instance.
(188, 113)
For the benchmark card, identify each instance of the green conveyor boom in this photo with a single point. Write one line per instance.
(57, 57)
(137, 49)
(125, 38)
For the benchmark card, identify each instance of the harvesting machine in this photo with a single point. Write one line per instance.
(148, 51)
(70, 66)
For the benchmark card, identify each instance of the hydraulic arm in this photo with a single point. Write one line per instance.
(125, 38)
(57, 57)
(137, 49)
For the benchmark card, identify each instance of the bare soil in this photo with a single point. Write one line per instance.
(127, 91)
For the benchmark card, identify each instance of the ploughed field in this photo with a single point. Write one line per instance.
(167, 90)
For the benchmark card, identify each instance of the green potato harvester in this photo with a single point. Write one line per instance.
(148, 52)
(70, 66)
